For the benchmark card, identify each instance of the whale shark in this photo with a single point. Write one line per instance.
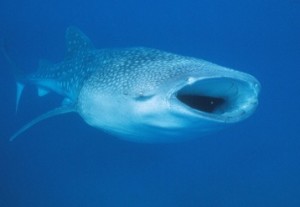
(142, 94)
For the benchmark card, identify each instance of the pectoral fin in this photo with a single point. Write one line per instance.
(54, 112)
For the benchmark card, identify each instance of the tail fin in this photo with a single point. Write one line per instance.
(18, 74)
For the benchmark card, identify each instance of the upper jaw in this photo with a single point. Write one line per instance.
(219, 98)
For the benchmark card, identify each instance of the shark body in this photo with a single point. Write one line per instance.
(142, 94)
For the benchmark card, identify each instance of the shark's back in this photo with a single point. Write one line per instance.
(118, 68)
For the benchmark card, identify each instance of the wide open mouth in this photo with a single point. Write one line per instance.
(220, 98)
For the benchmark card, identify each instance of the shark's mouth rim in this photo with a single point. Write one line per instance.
(223, 99)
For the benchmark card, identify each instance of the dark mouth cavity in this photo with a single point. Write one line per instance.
(203, 103)
(214, 95)
(222, 97)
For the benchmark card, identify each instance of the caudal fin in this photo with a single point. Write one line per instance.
(18, 74)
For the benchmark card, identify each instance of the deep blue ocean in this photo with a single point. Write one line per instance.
(63, 161)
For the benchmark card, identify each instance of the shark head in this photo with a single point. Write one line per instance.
(142, 94)
(170, 99)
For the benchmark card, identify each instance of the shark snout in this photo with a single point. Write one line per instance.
(221, 99)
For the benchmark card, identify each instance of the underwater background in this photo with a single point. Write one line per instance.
(64, 162)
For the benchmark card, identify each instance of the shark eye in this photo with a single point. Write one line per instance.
(202, 103)
(142, 97)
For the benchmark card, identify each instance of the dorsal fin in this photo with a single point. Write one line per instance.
(76, 41)
(54, 112)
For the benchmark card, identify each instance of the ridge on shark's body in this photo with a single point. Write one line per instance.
(142, 94)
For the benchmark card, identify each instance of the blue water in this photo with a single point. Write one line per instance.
(64, 162)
